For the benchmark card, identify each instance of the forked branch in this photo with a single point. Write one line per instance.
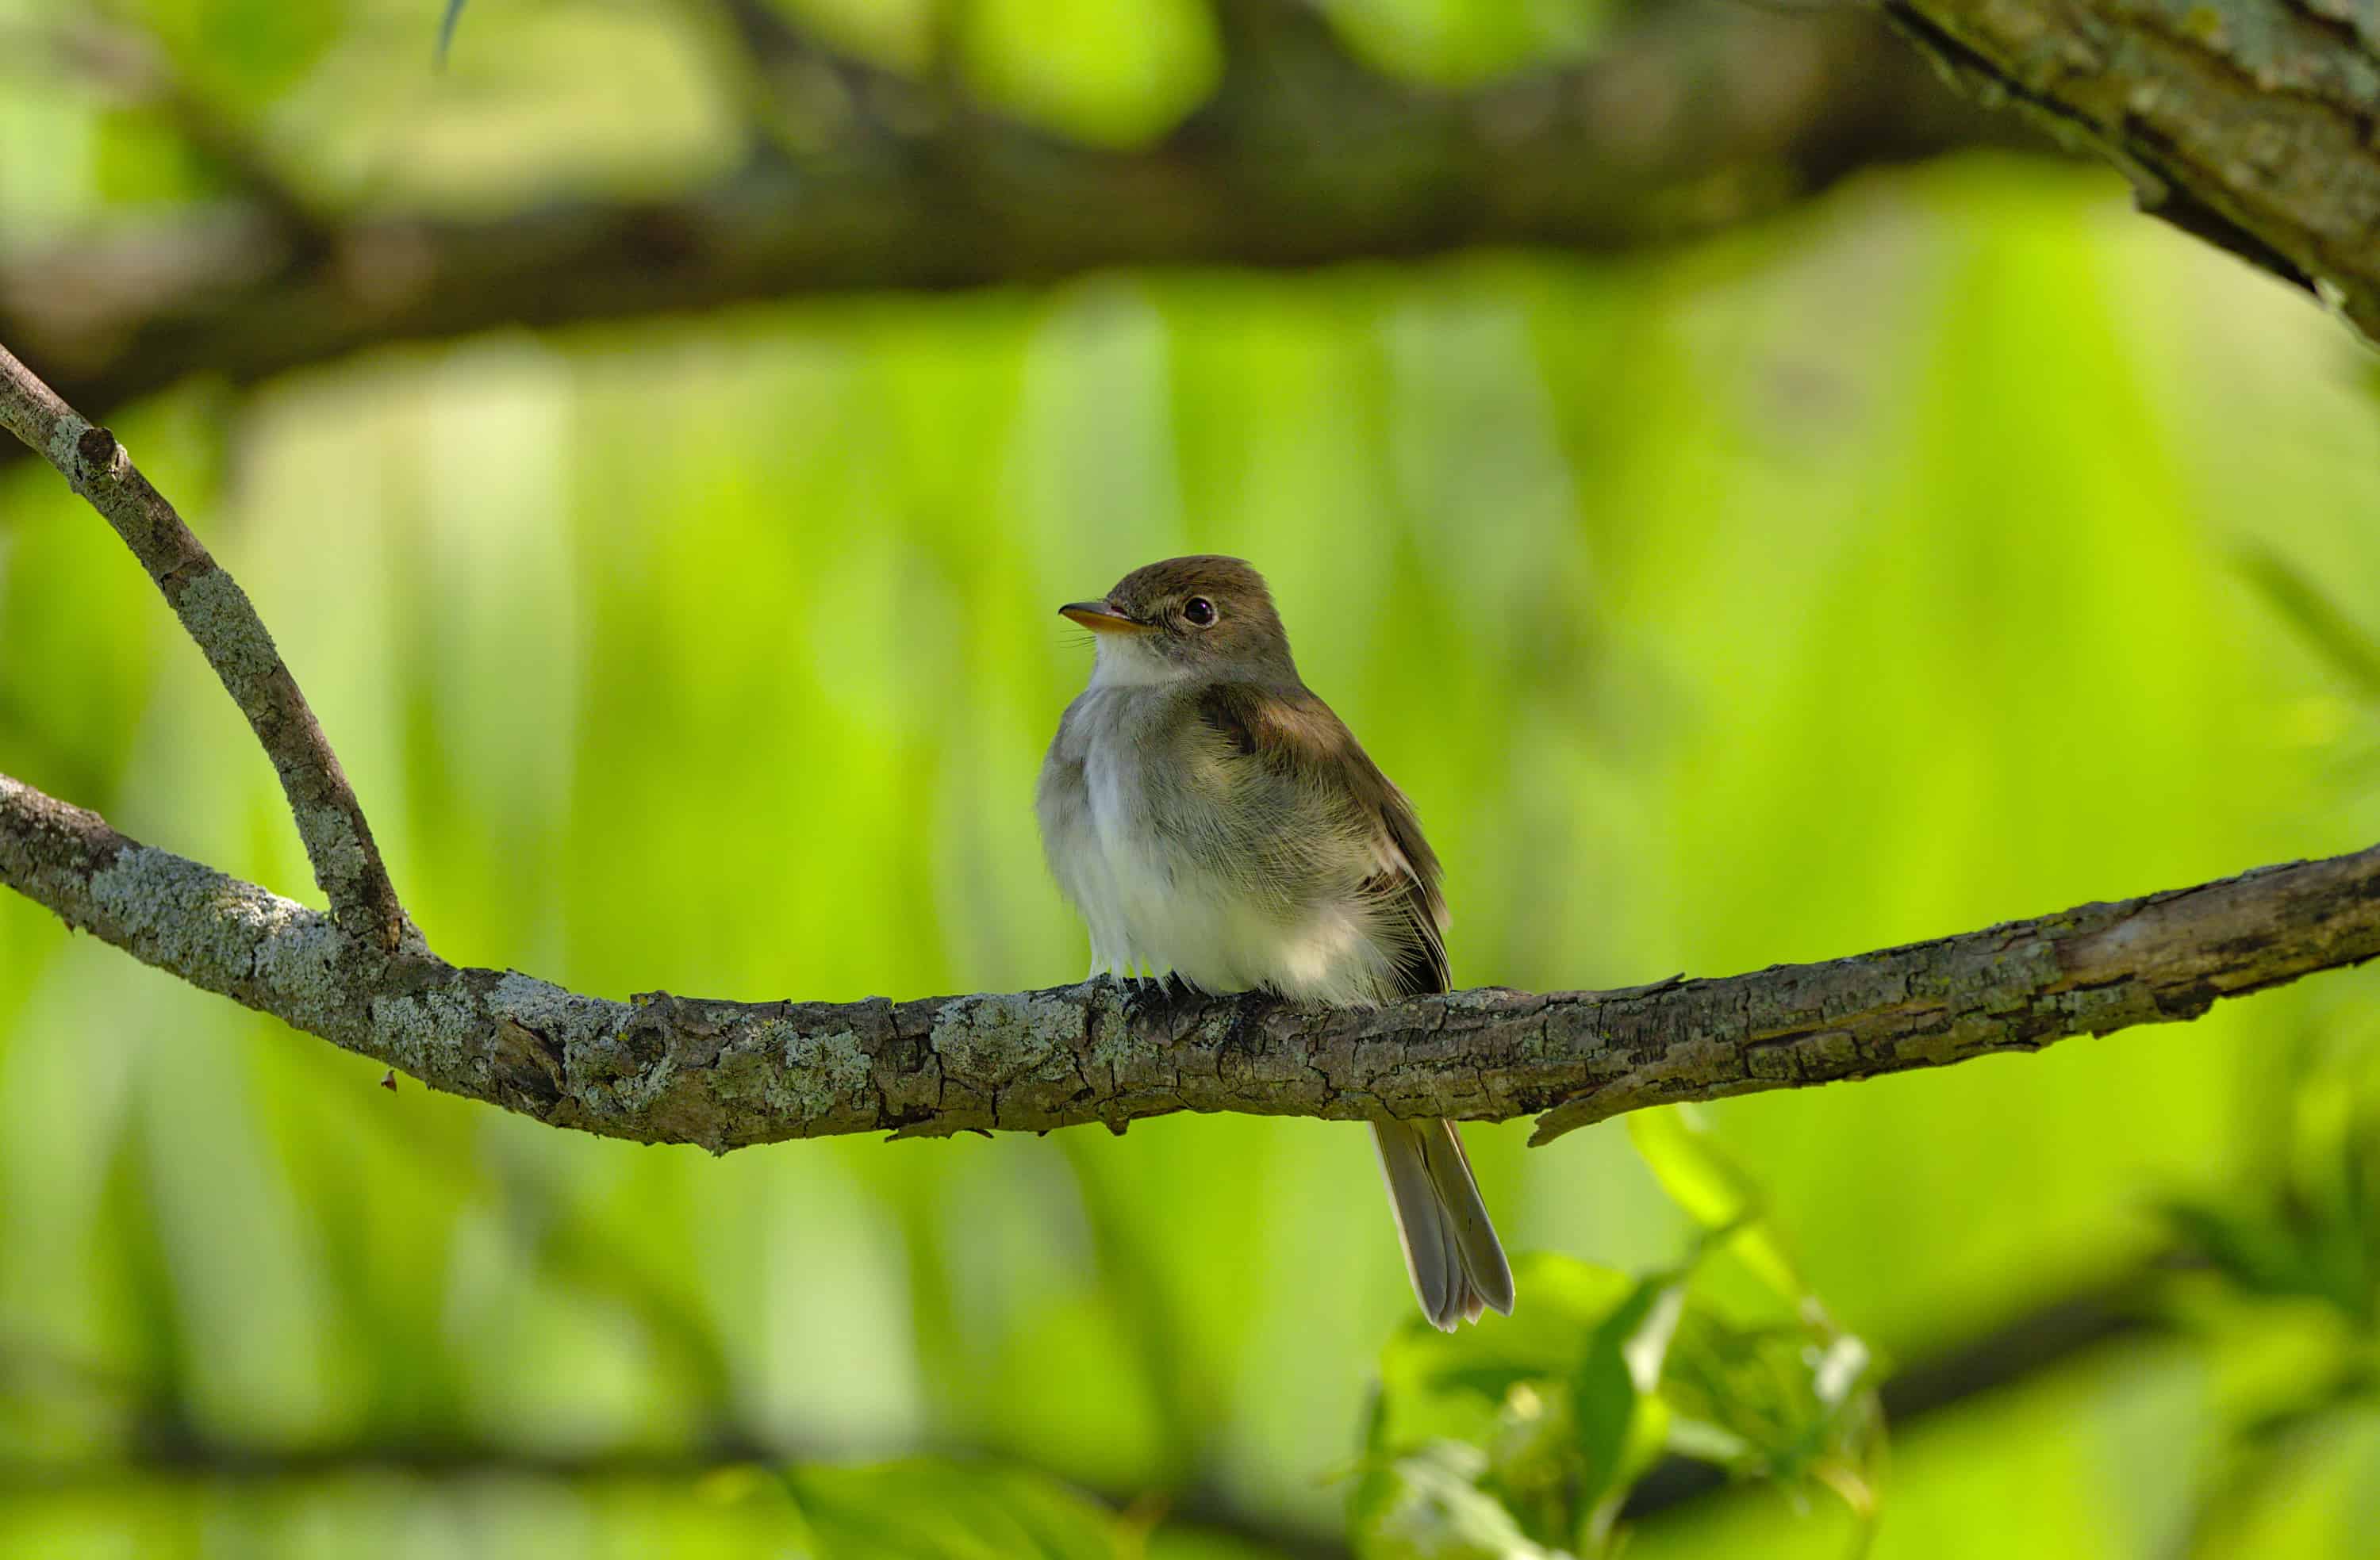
(219, 616)
(661, 1069)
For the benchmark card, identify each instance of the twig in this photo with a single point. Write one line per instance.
(219, 616)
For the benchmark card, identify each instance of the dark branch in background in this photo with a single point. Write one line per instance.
(165, 1443)
(175, 1450)
(2245, 123)
(1699, 118)
(2242, 122)
(220, 618)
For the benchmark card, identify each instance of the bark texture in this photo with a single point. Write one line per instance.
(224, 622)
(664, 1068)
(2248, 123)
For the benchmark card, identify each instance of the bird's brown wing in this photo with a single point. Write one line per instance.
(1291, 733)
(1451, 1253)
(1422, 967)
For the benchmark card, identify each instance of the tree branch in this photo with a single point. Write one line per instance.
(2246, 123)
(662, 1069)
(219, 616)
(1703, 117)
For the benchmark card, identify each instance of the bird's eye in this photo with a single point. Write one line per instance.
(1198, 611)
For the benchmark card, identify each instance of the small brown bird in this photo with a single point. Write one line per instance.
(1209, 814)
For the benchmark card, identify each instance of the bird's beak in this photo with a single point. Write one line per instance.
(1101, 618)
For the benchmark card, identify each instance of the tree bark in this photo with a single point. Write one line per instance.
(223, 621)
(2247, 123)
(664, 1068)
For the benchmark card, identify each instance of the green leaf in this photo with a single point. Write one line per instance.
(1429, 1505)
(1715, 1192)
(2255, 1251)
(2320, 622)
(1556, 1401)
(241, 54)
(928, 1509)
(1788, 1402)
(1676, 1144)
(1453, 1385)
(1616, 1381)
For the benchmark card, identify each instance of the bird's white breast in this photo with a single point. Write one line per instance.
(1170, 899)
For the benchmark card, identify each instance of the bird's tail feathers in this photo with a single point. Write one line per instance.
(1451, 1253)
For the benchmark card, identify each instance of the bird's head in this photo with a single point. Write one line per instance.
(1198, 617)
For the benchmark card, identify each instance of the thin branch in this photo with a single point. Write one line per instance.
(663, 1069)
(219, 616)
(2245, 123)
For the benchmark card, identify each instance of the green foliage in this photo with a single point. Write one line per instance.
(1524, 1438)
(1463, 42)
(926, 1509)
(1112, 71)
(2290, 1308)
(245, 53)
(2351, 649)
(1861, 578)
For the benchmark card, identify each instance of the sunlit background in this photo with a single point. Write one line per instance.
(1956, 547)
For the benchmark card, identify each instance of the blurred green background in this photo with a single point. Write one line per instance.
(1937, 552)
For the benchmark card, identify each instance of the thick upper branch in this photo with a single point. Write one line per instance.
(2248, 123)
(664, 1068)
(220, 617)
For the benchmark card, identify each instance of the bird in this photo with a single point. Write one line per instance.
(1209, 814)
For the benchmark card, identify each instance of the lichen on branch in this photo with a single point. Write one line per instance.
(225, 625)
(664, 1068)
(2245, 123)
